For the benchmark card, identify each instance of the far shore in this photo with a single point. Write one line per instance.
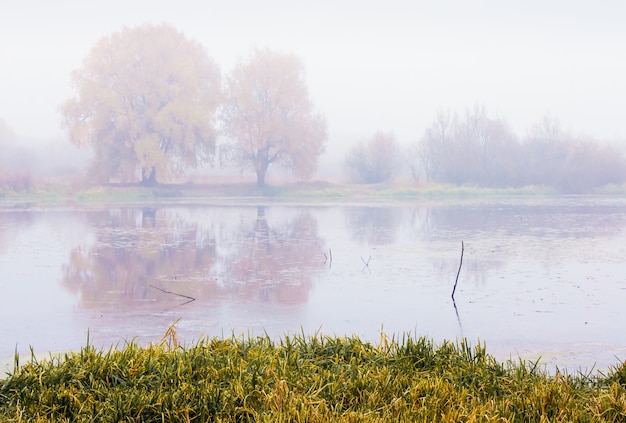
(305, 192)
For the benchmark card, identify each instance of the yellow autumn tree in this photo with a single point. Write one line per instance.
(146, 103)
(269, 118)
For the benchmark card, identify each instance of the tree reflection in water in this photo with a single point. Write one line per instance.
(139, 254)
(374, 225)
(277, 264)
(535, 271)
(12, 223)
(133, 250)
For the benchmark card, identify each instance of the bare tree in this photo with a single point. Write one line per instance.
(492, 147)
(545, 151)
(476, 149)
(436, 144)
(568, 163)
(373, 161)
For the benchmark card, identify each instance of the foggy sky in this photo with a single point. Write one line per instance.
(385, 65)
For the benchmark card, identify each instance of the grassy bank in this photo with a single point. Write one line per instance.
(312, 379)
(313, 192)
(307, 192)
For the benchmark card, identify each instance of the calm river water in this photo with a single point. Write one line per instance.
(540, 277)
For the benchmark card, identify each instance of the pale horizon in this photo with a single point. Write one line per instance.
(370, 65)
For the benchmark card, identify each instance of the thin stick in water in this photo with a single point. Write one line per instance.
(367, 264)
(459, 271)
(174, 293)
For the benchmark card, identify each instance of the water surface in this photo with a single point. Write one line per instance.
(540, 277)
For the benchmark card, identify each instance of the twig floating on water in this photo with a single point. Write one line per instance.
(174, 293)
(367, 264)
(458, 272)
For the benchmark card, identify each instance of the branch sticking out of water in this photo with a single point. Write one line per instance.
(330, 263)
(175, 293)
(458, 272)
(367, 264)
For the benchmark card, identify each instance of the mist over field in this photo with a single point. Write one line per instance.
(369, 67)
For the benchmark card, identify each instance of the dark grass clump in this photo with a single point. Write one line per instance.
(308, 379)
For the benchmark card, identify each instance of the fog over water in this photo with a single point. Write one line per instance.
(370, 65)
(541, 278)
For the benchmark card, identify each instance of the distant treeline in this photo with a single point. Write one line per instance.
(481, 150)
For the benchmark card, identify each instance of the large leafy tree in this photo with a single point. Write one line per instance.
(146, 102)
(269, 118)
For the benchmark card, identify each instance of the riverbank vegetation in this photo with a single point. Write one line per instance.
(482, 150)
(313, 379)
(193, 125)
(304, 192)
